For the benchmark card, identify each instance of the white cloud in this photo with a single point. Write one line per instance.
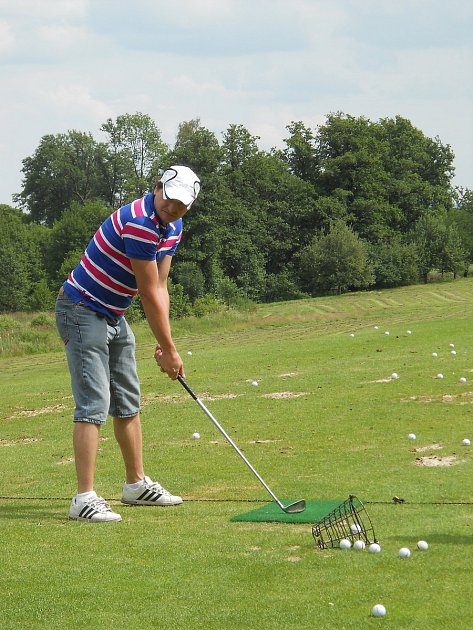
(7, 38)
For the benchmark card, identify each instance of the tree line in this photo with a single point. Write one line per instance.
(352, 204)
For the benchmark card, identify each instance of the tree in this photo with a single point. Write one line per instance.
(20, 265)
(335, 261)
(395, 262)
(198, 148)
(63, 169)
(429, 236)
(300, 153)
(137, 154)
(71, 233)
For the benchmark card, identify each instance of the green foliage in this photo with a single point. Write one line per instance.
(259, 212)
(42, 297)
(336, 261)
(395, 263)
(180, 305)
(207, 305)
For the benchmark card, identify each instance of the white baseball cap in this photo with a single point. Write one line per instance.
(181, 183)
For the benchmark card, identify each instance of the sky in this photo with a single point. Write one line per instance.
(72, 64)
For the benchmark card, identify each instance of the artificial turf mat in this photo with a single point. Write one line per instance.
(272, 513)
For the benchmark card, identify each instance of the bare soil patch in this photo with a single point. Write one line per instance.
(429, 447)
(30, 413)
(22, 440)
(285, 395)
(433, 461)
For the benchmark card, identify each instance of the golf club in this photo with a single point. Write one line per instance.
(292, 508)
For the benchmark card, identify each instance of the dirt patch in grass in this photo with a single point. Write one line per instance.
(465, 398)
(285, 395)
(430, 447)
(289, 374)
(433, 461)
(30, 413)
(23, 440)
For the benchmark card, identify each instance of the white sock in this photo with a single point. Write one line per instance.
(84, 496)
(134, 486)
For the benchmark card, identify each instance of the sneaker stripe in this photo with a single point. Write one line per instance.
(149, 495)
(87, 512)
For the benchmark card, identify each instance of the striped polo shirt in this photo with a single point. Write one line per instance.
(104, 279)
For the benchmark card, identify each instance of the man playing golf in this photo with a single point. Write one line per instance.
(130, 253)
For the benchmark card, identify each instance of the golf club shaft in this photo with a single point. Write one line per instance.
(229, 440)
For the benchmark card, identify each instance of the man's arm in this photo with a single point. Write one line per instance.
(151, 280)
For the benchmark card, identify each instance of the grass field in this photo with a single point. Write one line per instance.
(325, 421)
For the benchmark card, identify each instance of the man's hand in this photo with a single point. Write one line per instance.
(169, 361)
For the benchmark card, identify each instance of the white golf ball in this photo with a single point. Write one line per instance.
(196, 436)
(466, 442)
(409, 332)
(378, 611)
(394, 375)
(404, 552)
(453, 352)
(189, 353)
(374, 548)
(387, 332)
(411, 436)
(376, 327)
(434, 354)
(254, 383)
(462, 379)
(345, 543)
(359, 544)
(452, 345)
(355, 528)
(439, 376)
(422, 545)
(352, 334)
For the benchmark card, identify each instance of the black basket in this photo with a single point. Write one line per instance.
(348, 520)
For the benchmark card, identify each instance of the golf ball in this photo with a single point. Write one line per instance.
(394, 375)
(345, 543)
(352, 334)
(404, 552)
(434, 354)
(355, 528)
(359, 544)
(254, 383)
(387, 332)
(453, 352)
(412, 436)
(409, 332)
(378, 611)
(196, 436)
(189, 353)
(376, 327)
(452, 345)
(439, 376)
(422, 545)
(466, 442)
(374, 548)
(462, 379)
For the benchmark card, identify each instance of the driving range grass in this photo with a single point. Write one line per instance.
(326, 420)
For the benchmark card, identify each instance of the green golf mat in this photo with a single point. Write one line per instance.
(272, 513)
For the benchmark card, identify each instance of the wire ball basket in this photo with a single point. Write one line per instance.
(348, 520)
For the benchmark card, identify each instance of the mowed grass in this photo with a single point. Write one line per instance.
(326, 420)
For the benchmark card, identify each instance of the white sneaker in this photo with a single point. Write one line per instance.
(149, 493)
(94, 509)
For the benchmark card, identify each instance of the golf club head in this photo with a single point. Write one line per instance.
(295, 508)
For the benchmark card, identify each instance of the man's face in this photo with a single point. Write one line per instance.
(168, 210)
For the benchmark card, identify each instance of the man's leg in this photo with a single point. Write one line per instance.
(128, 435)
(85, 440)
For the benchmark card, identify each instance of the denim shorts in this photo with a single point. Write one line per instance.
(101, 360)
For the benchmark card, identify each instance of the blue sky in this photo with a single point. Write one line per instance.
(71, 64)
